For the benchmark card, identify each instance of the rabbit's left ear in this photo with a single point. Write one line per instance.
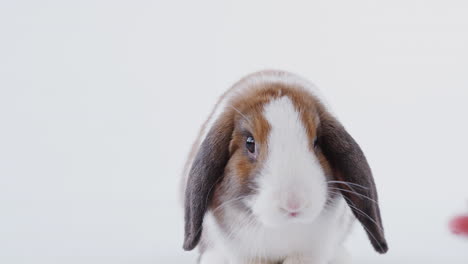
(206, 171)
(350, 165)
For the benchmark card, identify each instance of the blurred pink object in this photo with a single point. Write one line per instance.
(459, 225)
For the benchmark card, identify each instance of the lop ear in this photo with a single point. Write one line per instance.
(350, 167)
(206, 171)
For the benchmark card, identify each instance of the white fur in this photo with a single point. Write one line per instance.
(318, 242)
(291, 172)
(262, 77)
(292, 180)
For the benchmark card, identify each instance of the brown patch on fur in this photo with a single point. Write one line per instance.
(251, 122)
(340, 157)
(249, 117)
(247, 110)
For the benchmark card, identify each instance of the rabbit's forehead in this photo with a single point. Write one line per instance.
(265, 85)
(291, 129)
(291, 111)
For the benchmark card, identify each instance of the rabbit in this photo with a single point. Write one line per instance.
(274, 177)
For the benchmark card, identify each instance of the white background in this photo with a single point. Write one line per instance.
(100, 101)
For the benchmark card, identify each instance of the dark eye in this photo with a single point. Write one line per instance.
(315, 142)
(250, 144)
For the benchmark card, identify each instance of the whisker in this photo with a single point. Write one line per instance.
(354, 192)
(237, 226)
(256, 250)
(206, 201)
(349, 183)
(240, 113)
(260, 251)
(330, 199)
(352, 205)
(227, 203)
(349, 186)
(375, 239)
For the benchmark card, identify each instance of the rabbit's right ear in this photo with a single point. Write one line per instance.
(350, 167)
(206, 171)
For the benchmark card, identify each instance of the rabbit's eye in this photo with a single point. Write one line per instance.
(316, 142)
(250, 144)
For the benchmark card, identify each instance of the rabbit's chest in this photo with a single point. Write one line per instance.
(245, 238)
(278, 243)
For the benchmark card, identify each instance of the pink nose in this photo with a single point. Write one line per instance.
(292, 206)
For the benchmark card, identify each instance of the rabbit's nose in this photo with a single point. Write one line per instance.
(292, 206)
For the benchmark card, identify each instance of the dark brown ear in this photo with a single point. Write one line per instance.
(350, 165)
(206, 171)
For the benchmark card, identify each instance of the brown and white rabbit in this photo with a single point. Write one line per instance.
(274, 178)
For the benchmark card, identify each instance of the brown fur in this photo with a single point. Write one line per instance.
(247, 112)
(230, 175)
(251, 104)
